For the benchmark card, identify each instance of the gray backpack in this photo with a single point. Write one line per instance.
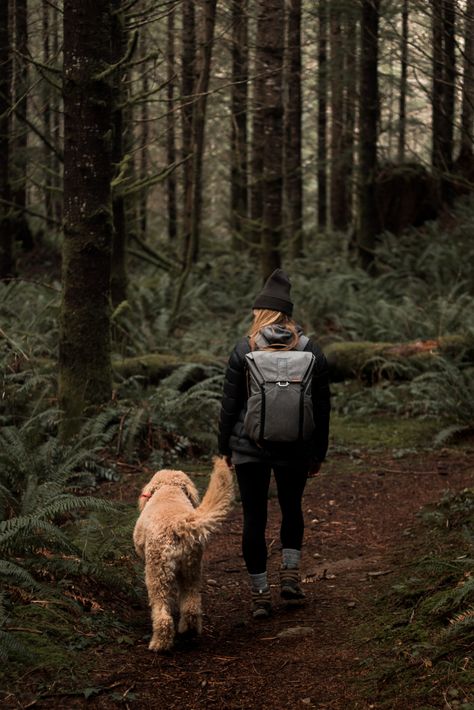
(280, 406)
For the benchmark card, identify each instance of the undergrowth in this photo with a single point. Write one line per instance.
(423, 647)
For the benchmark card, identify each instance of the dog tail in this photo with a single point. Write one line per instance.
(217, 500)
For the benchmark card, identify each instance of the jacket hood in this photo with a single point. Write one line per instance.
(278, 334)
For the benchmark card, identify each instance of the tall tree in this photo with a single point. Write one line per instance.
(258, 135)
(402, 117)
(338, 183)
(368, 119)
(293, 134)
(443, 91)
(466, 156)
(21, 229)
(204, 58)
(172, 206)
(238, 138)
(84, 347)
(272, 19)
(188, 63)
(6, 236)
(351, 27)
(322, 113)
(293, 121)
(121, 166)
(47, 122)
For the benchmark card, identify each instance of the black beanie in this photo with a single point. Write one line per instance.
(275, 295)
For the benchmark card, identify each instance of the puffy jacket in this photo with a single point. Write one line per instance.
(233, 439)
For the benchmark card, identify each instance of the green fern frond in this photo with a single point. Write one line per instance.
(15, 574)
(10, 646)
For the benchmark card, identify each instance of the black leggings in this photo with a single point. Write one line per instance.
(254, 480)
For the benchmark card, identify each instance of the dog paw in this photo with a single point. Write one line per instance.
(190, 625)
(160, 644)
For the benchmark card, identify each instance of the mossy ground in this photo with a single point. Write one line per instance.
(377, 432)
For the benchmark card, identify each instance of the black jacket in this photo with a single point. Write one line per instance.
(232, 435)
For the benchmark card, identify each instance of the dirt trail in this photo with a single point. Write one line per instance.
(355, 519)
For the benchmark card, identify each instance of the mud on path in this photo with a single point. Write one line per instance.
(357, 514)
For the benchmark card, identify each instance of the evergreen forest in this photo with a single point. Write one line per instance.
(158, 161)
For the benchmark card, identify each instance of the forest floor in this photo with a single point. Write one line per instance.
(361, 534)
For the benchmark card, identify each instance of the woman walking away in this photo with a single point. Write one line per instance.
(274, 416)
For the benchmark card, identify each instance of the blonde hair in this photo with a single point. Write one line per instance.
(263, 317)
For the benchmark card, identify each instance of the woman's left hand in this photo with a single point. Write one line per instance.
(314, 470)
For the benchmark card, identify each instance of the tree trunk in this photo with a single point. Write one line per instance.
(57, 119)
(84, 347)
(350, 108)
(293, 121)
(144, 138)
(322, 115)
(273, 32)
(118, 283)
(467, 109)
(172, 207)
(443, 92)
(258, 137)
(238, 139)
(187, 101)
(21, 229)
(6, 236)
(338, 174)
(47, 124)
(204, 57)
(368, 115)
(193, 188)
(403, 84)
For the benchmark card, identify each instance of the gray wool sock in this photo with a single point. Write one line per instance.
(290, 558)
(259, 582)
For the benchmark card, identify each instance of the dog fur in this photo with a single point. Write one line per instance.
(169, 536)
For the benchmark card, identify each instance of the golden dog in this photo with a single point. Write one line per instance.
(169, 536)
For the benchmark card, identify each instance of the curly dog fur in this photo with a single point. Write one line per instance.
(169, 536)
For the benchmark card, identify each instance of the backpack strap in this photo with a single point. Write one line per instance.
(302, 343)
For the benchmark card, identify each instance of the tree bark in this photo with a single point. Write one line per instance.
(144, 138)
(467, 108)
(6, 236)
(172, 206)
(443, 91)
(402, 119)
(84, 347)
(21, 229)
(238, 139)
(119, 279)
(47, 124)
(322, 115)
(351, 27)
(204, 58)
(338, 183)
(368, 118)
(272, 18)
(258, 137)
(293, 134)
(187, 100)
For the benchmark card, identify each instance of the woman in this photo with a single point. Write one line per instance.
(292, 463)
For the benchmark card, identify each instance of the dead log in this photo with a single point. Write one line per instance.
(155, 367)
(373, 361)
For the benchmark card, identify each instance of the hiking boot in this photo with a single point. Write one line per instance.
(290, 588)
(261, 603)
